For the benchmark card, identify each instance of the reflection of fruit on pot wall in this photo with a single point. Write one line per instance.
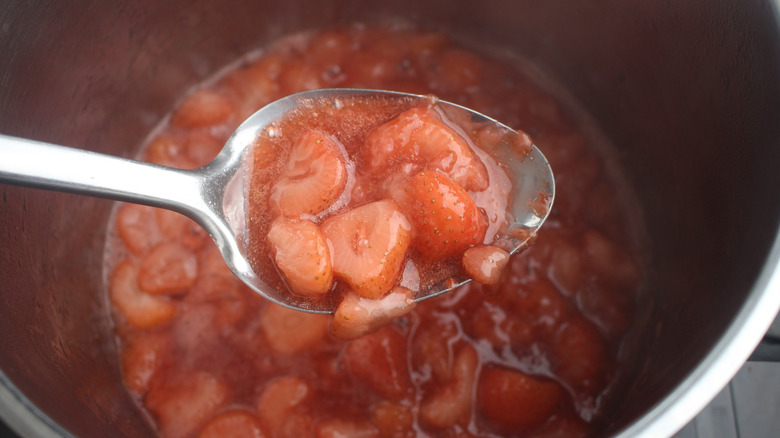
(532, 355)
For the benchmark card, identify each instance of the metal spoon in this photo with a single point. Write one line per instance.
(213, 195)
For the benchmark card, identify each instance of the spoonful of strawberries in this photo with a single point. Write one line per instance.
(332, 199)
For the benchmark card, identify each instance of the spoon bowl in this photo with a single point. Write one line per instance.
(213, 195)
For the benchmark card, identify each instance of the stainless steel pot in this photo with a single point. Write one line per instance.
(688, 91)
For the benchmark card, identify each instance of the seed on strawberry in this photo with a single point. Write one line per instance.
(369, 245)
(314, 177)
(419, 136)
(444, 218)
(302, 255)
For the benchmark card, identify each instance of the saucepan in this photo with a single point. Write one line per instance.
(688, 92)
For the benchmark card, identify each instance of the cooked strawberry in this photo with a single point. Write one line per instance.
(393, 419)
(141, 310)
(379, 361)
(357, 316)
(168, 268)
(181, 228)
(419, 136)
(314, 177)
(515, 401)
(233, 423)
(369, 245)
(451, 403)
(290, 331)
(281, 404)
(202, 108)
(580, 356)
(339, 428)
(144, 355)
(567, 425)
(485, 263)
(301, 254)
(136, 226)
(185, 401)
(444, 217)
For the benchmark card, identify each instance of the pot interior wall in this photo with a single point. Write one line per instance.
(688, 94)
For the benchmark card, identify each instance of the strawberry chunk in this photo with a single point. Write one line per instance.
(302, 254)
(419, 136)
(485, 263)
(140, 309)
(202, 108)
(290, 331)
(515, 401)
(233, 423)
(357, 316)
(445, 219)
(393, 419)
(580, 356)
(338, 428)
(379, 361)
(451, 403)
(369, 245)
(564, 425)
(314, 177)
(143, 357)
(184, 403)
(136, 227)
(279, 402)
(168, 268)
(182, 229)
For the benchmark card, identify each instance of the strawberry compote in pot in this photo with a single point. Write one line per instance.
(534, 355)
(371, 201)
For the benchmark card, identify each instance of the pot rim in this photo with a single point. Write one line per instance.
(723, 361)
(24, 417)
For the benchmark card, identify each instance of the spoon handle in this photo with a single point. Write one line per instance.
(47, 166)
(194, 193)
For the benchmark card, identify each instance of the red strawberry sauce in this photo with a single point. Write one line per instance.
(406, 152)
(535, 355)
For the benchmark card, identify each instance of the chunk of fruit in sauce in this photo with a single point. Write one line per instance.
(314, 177)
(279, 401)
(357, 316)
(532, 400)
(378, 361)
(186, 403)
(167, 268)
(302, 254)
(369, 245)
(452, 402)
(445, 219)
(485, 263)
(233, 423)
(138, 308)
(419, 137)
(289, 331)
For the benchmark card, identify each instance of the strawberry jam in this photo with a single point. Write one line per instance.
(383, 186)
(533, 354)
